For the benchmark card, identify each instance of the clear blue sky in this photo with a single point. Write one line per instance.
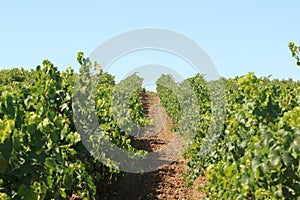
(239, 36)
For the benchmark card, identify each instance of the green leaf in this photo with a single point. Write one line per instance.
(26, 193)
(297, 140)
(256, 162)
(50, 163)
(3, 164)
(287, 159)
(68, 181)
(63, 192)
(4, 196)
(46, 122)
(275, 157)
(54, 136)
(6, 127)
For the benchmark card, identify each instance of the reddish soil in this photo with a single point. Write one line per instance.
(165, 183)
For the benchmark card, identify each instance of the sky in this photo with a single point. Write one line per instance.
(238, 36)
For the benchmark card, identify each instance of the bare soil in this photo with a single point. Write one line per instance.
(166, 182)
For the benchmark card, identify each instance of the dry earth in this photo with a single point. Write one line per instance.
(165, 183)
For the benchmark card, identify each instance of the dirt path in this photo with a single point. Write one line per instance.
(164, 183)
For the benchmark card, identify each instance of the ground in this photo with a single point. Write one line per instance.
(165, 183)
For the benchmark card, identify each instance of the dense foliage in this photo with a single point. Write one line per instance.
(257, 154)
(9, 76)
(243, 133)
(42, 155)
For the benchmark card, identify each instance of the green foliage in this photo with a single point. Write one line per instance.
(257, 154)
(254, 154)
(119, 113)
(9, 76)
(295, 50)
(260, 155)
(167, 91)
(38, 145)
(42, 155)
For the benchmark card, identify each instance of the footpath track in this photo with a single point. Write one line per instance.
(164, 183)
